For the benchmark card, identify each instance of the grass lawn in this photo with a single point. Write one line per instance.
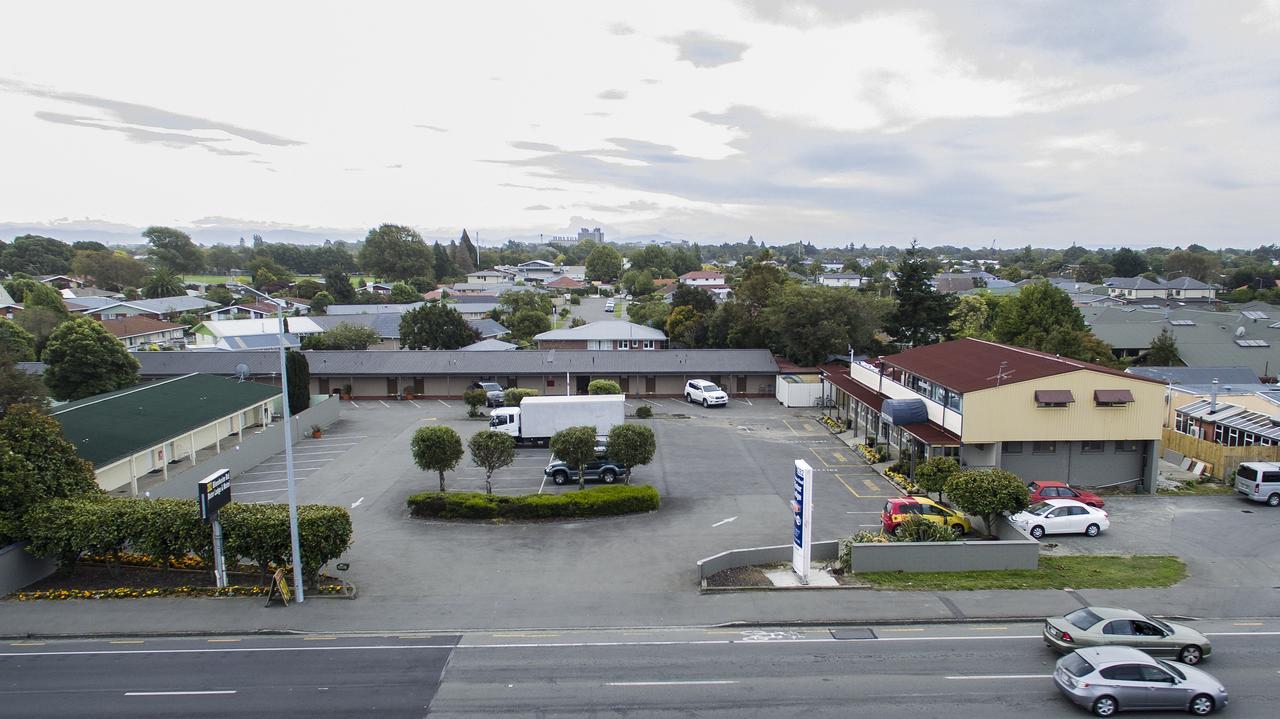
(1094, 572)
(1200, 488)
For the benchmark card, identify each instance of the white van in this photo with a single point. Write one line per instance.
(1259, 481)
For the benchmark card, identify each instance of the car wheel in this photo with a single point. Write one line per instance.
(1190, 654)
(1037, 532)
(1092, 530)
(1104, 706)
(688, 397)
(705, 404)
(1273, 500)
(608, 476)
(1201, 704)
(560, 477)
(958, 529)
(898, 531)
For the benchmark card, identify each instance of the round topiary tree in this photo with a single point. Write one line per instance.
(603, 386)
(474, 398)
(632, 445)
(932, 474)
(491, 451)
(575, 447)
(437, 448)
(986, 493)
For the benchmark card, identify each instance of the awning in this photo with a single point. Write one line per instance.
(931, 434)
(1054, 396)
(832, 374)
(1112, 396)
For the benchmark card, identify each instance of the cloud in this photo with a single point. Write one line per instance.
(135, 134)
(633, 206)
(531, 187)
(613, 94)
(433, 128)
(537, 207)
(705, 50)
(1106, 142)
(621, 28)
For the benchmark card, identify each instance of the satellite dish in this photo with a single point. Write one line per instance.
(242, 371)
(1240, 332)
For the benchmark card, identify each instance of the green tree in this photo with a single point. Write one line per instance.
(932, 474)
(435, 327)
(36, 464)
(223, 259)
(696, 297)
(1196, 265)
(809, 322)
(343, 336)
(971, 317)
(162, 283)
(36, 255)
(85, 359)
(604, 264)
(109, 270)
(986, 493)
(633, 445)
(436, 449)
(685, 326)
(923, 315)
(465, 255)
(15, 342)
(474, 398)
(395, 252)
(1127, 263)
(513, 396)
(443, 264)
(649, 311)
(40, 322)
(220, 294)
(402, 293)
(1163, 351)
(525, 324)
(653, 259)
(173, 250)
(18, 387)
(1027, 318)
(575, 447)
(338, 284)
(299, 374)
(603, 386)
(637, 283)
(491, 451)
(320, 302)
(31, 294)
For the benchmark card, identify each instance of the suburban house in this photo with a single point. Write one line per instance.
(254, 311)
(161, 308)
(564, 284)
(140, 436)
(446, 374)
(841, 279)
(213, 332)
(1135, 289)
(1184, 385)
(488, 277)
(8, 308)
(143, 331)
(604, 335)
(1037, 415)
(71, 293)
(703, 278)
(372, 309)
(489, 345)
(1186, 289)
(1248, 336)
(951, 282)
(387, 327)
(60, 282)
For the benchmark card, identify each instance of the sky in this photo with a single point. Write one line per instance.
(832, 122)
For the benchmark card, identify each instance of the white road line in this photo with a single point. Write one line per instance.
(327, 443)
(1003, 676)
(671, 684)
(655, 404)
(748, 401)
(443, 402)
(273, 471)
(260, 481)
(415, 404)
(347, 436)
(177, 694)
(384, 404)
(357, 503)
(863, 512)
(296, 461)
(228, 650)
(543, 485)
(628, 404)
(723, 521)
(1241, 634)
(261, 491)
(353, 404)
(309, 454)
(870, 525)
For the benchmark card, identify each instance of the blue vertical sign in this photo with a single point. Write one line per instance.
(802, 514)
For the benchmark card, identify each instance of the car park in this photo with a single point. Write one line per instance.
(1101, 626)
(1259, 481)
(707, 394)
(1110, 679)
(1061, 516)
(494, 395)
(1042, 490)
(601, 468)
(898, 509)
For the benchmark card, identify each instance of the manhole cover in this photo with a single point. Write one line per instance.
(1247, 511)
(853, 633)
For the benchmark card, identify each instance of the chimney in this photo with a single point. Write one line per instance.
(1213, 396)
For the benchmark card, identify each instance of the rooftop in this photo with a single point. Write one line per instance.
(604, 330)
(703, 275)
(158, 305)
(1132, 283)
(134, 326)
(264, 326)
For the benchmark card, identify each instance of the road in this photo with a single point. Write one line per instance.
(983, 671)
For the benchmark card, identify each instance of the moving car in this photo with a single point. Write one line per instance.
(1098, 626)
(1110, 679)
(898, 509)
(601, 468)
(1259, 481)
(1042, 490)
(1061, 516)
(707, 394)
(493, 393)
(608, 306)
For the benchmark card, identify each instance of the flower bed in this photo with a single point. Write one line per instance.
(832, 424)
(902, 482)
(869, 454)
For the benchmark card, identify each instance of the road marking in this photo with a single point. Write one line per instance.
(793, 429)
(655, 404)
(1003, 676)
(525, 634)
(26, 644)
(357, 503)
(326, 443)
(296, 461)
(863, 512)
(277, 471)
(748, 401)
(346, 436)
(415, 404)
(871, 525)
(312, 454)
(979, 629)
(319, 638)
(671, 684)
(443, 402)
(870, 485)
(1241, 634)
(846, 485)
(353, 404)
(178, 694)
(724, 521)
(384, 404)
(127, 641)
(261, 491)
(1247, 624)
(222, 641)
(543, 485)
(260, 481)
(902, 629)
(628, 404)
(839, 456)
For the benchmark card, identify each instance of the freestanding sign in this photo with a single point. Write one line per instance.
(214, 493)
(802, 513)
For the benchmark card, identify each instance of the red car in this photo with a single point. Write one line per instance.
(1041, 491)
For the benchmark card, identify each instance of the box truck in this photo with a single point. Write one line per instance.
(538, 418)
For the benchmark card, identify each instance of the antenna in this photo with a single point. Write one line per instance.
(242, 372)
(1002, 373)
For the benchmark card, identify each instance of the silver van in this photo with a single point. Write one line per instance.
(1259, 481)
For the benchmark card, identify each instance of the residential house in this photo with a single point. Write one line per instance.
(952, 282)
(564, 284)
(379, 288)
(141, 331)
(488, 277)
(1186, 289)
(60, 282)
(211, 332)
(1248, 336)
(1135, 289)
(841, 279)
(71, 293)
(1037, 415)
(162, 308)
(703, 278)
(474, 288)
(8, 308)
(490, 345)
(254, 311)
(387, 327)
(372, 309)
(1184, 385)
(604, 335)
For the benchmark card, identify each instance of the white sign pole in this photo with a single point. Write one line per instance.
(802, 513)
(219, 562)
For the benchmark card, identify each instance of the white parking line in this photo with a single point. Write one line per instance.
(348, 436)
(177, 694)
(353, 404)
(415, 404)
(260, 481)
(312, 454)
(671, 684)
(384, 404)
(628, 404)
(327, 443)
(1003, 676)
(299, 461)
(443, 403)
(261, 491)
(655, 404)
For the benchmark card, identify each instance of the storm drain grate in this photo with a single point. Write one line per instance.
(853, 633)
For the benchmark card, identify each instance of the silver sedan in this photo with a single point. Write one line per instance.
(1110, 679)
(1101, 626)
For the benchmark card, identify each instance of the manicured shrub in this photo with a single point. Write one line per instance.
(604, 386)
(594, 502)
(512, 397)
(644, 411)
(919, 529)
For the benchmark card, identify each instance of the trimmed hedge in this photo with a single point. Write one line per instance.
(66, 529)
(593, 502)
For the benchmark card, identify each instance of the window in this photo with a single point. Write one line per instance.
(1119, 626)
(1219, 434)
(551, 382)
(1011, 447)
(1126, 445)
(953, 401)
(1044, 447)
(1156, 674)
(648, 344)
(1124, 673)
(1091, 446)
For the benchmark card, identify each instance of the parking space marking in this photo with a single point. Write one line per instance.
(353, 404)
(415, 404)
(1002, 676)
(655, 404)
(262, 491)
(296, 461)
(260, 481)
(384, 404)
(443, 402)
(870, 484)
(348, 436)
(788, 424)
(312, 454)
(839, 456)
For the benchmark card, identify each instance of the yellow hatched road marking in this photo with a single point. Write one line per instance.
(840, 456)
(871, 485)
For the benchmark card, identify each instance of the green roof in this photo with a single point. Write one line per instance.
(112, 426)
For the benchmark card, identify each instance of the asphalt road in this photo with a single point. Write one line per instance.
(956, 671)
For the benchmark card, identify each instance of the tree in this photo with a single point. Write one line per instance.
(435, 327)
(338, 284)
(633, 445)
(465, 256)
(320, 302)
(395, 252)
(653, 259)
(442, 263)
(219, 294)
(1196, 265)
(923, 315)
(809, 323)
(36, 255)
(603, 386)
(474, 398)
(491, 451)
(436, 448)
(986, 493)
(932, 474)
(403, 294)
(971, 317)
(604, 264)
(223, 259)
(173, 250)
(162, 283)
(525, 324)
(109, 270)
(650, 311)
(36, 294)
(696, 297)
(1027, 318)
(40, 322)
(15, 342)
(85, 359)
(299, 373)
(1163, 351)
(343, 336)
(19, 388)
(36, 464)
(685, 326)
(637, 283)
(575, 447)
(1127, 263)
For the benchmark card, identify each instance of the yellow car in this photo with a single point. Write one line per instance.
(899, 508)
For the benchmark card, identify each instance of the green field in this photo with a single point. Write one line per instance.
(1096, 572)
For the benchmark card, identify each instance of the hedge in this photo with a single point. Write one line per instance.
(593, 502)
(169, 529)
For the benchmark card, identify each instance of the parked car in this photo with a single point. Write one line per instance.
(493, 393)
(898, 509)
(1259, 481)
(1099, 626)
(1061, 516)
(1042, 490)
(601, 468)
(707, 394)
(1110, 679)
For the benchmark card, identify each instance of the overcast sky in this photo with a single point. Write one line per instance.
(1099, 123)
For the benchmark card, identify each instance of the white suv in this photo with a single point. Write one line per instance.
(705, 393)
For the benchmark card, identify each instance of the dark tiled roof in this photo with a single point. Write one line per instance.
(139, 325)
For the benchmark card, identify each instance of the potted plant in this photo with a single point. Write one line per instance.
(316, 431)
(345, 392)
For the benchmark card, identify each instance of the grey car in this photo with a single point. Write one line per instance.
(1105, 680)
(1099, 626)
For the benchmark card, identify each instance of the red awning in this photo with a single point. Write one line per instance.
(931, 434)
(1112, 396)
(837, 375)
(1054, 396)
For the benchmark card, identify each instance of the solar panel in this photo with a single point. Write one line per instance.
(1253, 343)
(1185, 323)
(1255, 315)
(1274, 325)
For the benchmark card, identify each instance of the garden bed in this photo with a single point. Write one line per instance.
(594, 502)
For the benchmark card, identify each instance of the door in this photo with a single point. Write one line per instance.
(1163, 692)
(1080, 518)
(583, 381)
(625, 384)
(1055, 521)
(1126, 683)
(742, 384)
(418, 386)
(1151, 639)
(324, 385)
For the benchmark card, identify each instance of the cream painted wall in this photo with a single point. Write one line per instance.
(1009, 413)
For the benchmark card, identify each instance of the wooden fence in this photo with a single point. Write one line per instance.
(1223, 460)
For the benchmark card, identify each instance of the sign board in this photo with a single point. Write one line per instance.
(213, 493)
(802, 513)
(279, 588)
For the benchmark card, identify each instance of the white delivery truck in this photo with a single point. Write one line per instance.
(537, 418)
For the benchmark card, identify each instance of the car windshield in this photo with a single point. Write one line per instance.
(1172, 669)
(491, 387)
(710, 388)
(1076, 665)
(1039, 508)
(1083, 618)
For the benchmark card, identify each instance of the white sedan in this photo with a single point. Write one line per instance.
(1061, 516)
